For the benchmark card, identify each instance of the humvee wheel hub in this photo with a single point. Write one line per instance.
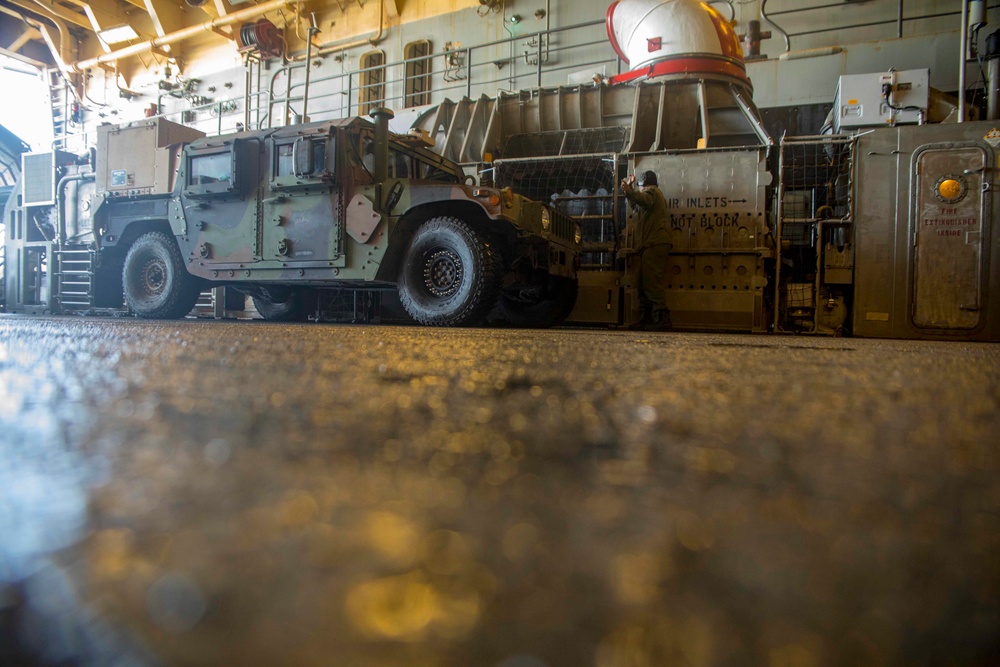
(443, 273)
(154, 275)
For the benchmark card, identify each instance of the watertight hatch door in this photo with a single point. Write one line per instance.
(950, 211)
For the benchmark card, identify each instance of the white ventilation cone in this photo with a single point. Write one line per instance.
(674, 37)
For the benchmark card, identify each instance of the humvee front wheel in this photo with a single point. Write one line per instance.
(451, 274)
(157, 285)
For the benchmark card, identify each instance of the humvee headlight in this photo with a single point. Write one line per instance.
(546, 219)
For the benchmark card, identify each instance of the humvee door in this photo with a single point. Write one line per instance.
(219, 179)
(301, 205)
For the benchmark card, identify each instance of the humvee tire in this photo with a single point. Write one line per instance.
(157, 284)
(550, 306)
(450, 275)
(288, 305)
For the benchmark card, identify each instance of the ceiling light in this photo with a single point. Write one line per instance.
(118, 33)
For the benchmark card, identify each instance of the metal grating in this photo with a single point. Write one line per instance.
(39, 187)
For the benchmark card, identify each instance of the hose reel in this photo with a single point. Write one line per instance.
(262, 36)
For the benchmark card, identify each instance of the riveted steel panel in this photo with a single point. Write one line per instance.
(876, 229)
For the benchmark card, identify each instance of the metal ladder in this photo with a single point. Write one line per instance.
(73, 269)
(61, 104)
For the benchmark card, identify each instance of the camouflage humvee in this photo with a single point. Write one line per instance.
(284, 213)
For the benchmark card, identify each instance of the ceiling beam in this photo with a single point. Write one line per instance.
(107, 13)
(100, 18)
(97, 27)
(167, 17)
(47, 10)
(27, 35)
(33, 24)
(62, 51)
(247, 14)
(24, 59)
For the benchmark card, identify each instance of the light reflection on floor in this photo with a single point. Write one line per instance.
(239, 493)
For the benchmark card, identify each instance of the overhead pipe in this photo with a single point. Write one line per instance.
(32, 23)
(307, 55)
(184, 33)
(544, 42)
(334, 47)
(511, 61)
(381, 25)
(992, 91)
(62, 53)
(54, 10)
(963, 50)
(309, 44)
(57, 51)
(62, 218)
(320, 52)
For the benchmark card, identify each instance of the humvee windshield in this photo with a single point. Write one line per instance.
(286, 161)
(207, 169)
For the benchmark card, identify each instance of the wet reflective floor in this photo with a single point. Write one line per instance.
(240, 493)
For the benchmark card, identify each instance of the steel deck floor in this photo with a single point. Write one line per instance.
(241, 493)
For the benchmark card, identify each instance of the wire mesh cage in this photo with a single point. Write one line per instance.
(815, 225)
(816, 175)
(582, 187)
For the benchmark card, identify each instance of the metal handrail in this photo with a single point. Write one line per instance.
(481, 70)
(899, 20)
(462, 79)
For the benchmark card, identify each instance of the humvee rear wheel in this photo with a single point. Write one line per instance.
(157, 285)
(542, 306)
(286, 305)
(451, 274)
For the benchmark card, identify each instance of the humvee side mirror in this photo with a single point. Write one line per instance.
(302, 156)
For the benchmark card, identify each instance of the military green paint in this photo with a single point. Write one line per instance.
(243, 211)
